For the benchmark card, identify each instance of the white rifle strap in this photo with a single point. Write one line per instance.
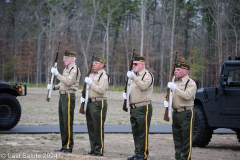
(51, 83)
(170, 101)
(50, 89)
(128, 92)
(86, 98)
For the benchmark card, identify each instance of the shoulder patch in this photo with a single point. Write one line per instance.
(74, 70)
(192, 83)
(147, 76)
(104, 76)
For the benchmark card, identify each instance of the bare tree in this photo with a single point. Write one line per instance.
(111, 7)
(84, 32)
(162, 40)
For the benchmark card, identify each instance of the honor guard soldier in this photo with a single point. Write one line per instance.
(184, 91)
(96, 110)
(67, 87)
(141, 88)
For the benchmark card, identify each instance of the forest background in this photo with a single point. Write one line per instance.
(202, 32)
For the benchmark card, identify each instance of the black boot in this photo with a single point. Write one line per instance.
(89, 153)
(131, 157)
(58, 150)
(97, 154)
(139, 158)
(67, 150)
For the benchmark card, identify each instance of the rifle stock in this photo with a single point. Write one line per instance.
(125, 108)
(81, 110)
(82, 104)
(166, 115)
(166, 118)
(52, 77)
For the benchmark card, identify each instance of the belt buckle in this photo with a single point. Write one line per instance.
(133, 106)
(176, 110)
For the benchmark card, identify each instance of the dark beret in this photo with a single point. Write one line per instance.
(139, 58)
(182, 65)
(70, 53)
(100, 59)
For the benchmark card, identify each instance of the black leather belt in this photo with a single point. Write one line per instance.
(135, 105)
(90, 100)
(182, 109)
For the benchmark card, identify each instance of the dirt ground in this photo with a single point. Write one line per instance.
(36, 111)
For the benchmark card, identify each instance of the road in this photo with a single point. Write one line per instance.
(48, 129)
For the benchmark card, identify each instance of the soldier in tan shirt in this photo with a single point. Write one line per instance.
(67, 87)
(96, 110)
(141, 88)
(184, 91)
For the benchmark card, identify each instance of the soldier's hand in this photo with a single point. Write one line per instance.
(130, 74)
(88, 80)
(54, 71)
(171, 85)
(165, 103)
(124, 95)
(82, 100)
(49, 86)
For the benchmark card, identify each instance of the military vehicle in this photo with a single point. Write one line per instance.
(218, 106)
(10, 108)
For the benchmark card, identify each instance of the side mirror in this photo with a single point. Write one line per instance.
(223, 80)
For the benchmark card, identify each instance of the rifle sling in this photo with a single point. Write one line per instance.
(186, 84)
(77, 71)
(101, 76)
(151, 76)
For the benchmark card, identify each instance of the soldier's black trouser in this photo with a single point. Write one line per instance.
(66, 116)
(95, 115)
(182, 129)
(140, 122)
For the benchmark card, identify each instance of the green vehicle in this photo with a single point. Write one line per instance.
(10, 108)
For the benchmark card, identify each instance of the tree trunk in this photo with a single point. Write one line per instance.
(162, 44)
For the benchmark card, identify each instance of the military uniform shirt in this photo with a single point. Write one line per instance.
(68, 80)
(141, 90)
(98, 87)
(183, 98)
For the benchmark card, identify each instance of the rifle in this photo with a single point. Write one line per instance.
(86, 89)
(51, 81)
(126, 89)
(168, 97)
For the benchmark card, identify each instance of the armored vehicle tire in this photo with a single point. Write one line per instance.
(202, 133)
(10, 111)
(238, 136)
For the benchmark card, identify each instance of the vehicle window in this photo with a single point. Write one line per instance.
(234, 76)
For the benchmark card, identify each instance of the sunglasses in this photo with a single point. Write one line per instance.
(135, 64)
(95, 62)
(66, 57)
